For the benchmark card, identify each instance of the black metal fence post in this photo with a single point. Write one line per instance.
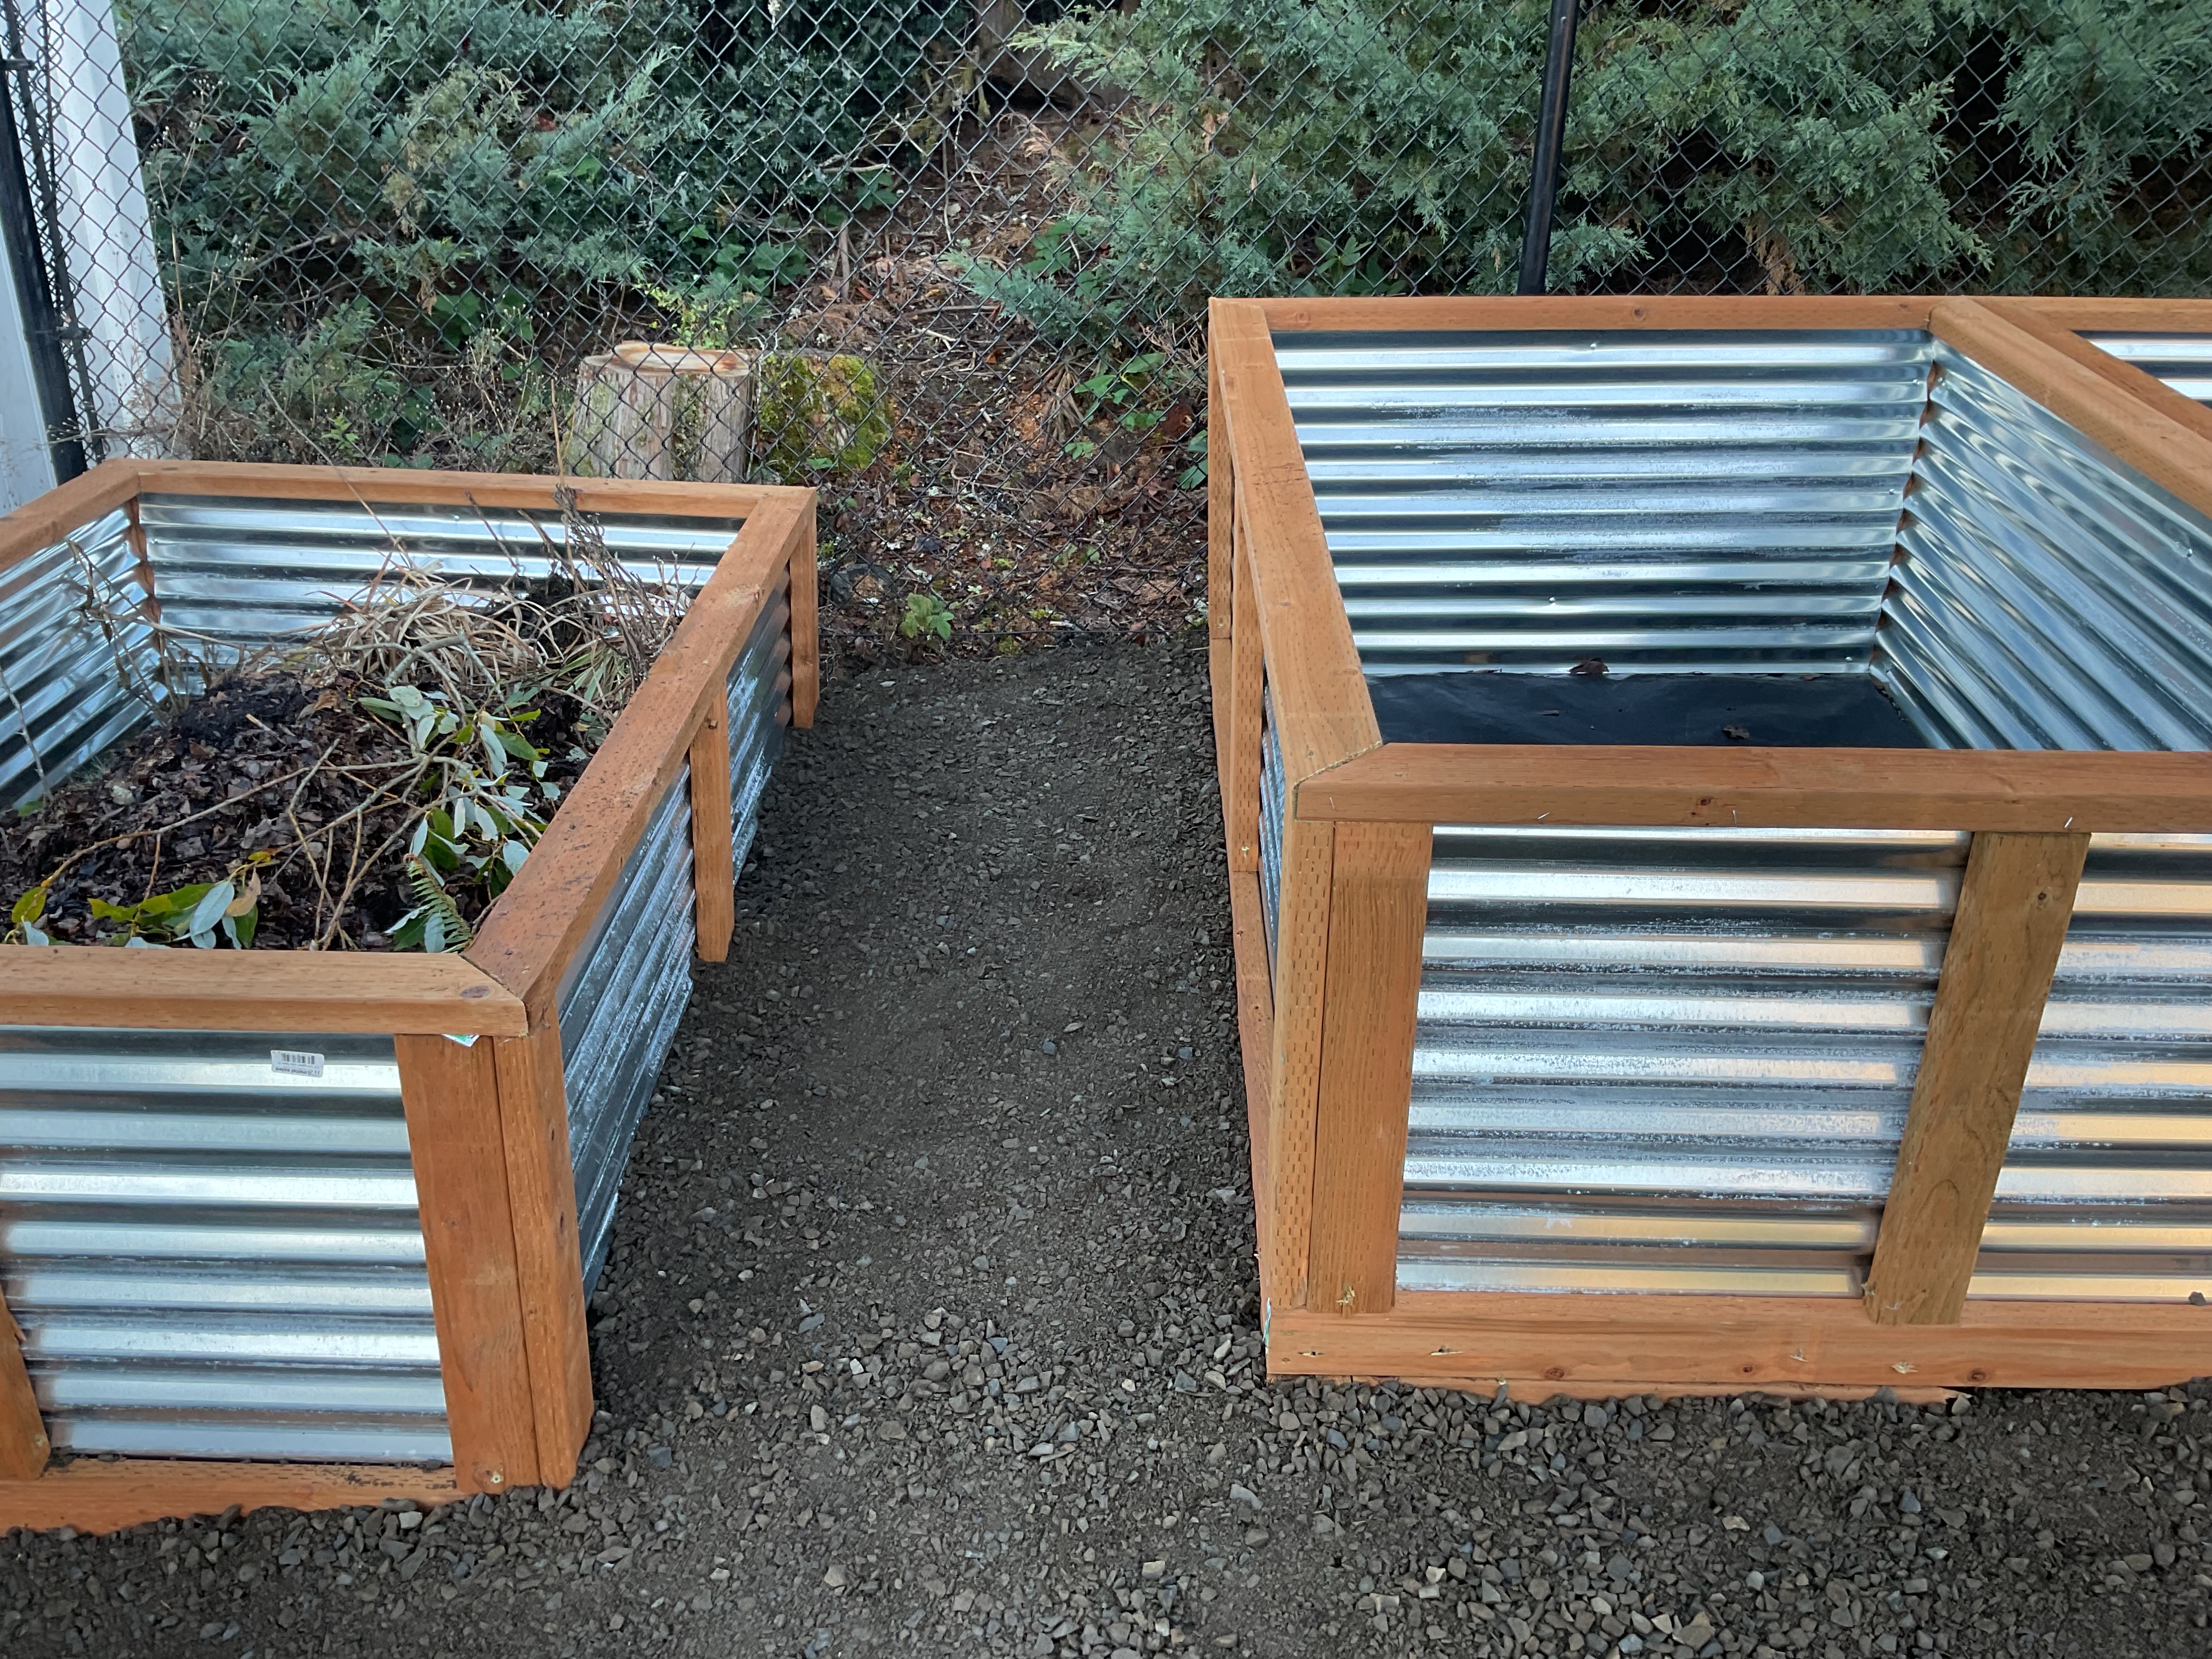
(1550, 123)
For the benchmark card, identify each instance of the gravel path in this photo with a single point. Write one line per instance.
(931, 1325)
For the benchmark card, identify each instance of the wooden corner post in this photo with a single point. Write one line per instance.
(459, 1146)
(1377, 912)
(2014, 907)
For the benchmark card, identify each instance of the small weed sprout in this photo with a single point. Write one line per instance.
(927, 617)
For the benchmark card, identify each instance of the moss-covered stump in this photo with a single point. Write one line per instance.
(819, 412)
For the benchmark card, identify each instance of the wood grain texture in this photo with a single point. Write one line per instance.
(1323, 711)
(458, 1144)
(2014, 906)
(541, 1184)
(62, 511)
(526, 940)
(2036, 321)
(1294, 1051)
(1581, 314)
(2170, 453)
(96, 1497)
(1728, 1343)
(2118, 316)
(1256, 1024)
(253, 991)
(1769, 788)
(1377, 909)
(805, 599)
(1220, 504)
(405, 485)
(713, 877)
(24, 1447)
(1245, 712)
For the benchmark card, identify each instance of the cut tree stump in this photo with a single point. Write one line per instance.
(664, 411)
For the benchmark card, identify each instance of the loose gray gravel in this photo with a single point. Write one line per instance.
(931, 1325)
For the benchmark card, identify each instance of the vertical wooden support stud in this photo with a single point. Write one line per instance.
(1378, 910)
(1300, 954)
(533, 1106)
(2013, 907)
(454, 1134)
(806, 625)
(714, 876)
(24, 1445)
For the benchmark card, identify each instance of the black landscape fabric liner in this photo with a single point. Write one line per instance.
(1765, 711)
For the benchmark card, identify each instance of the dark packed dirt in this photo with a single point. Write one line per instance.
(932, 1327)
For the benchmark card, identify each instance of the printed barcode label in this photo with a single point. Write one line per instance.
(297, 1061)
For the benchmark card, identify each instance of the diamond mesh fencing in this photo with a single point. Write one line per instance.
(948, 258)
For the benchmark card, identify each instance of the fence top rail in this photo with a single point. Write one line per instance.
(1969, 789)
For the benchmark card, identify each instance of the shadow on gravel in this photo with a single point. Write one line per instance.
(932, 1325)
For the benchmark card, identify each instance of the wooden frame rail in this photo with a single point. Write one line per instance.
(1328, 1024)
(475, 1034)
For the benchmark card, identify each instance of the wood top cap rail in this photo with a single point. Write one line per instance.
(1767, 788)
(381, 992)
(1582, 313)
(1322, 707)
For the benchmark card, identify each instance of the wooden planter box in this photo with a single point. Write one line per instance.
(1716, 1056)
(239, 1283)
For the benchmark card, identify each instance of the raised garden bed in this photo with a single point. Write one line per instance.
(1717, 822)
(317, 1226)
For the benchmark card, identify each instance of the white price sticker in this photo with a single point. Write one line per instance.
(296, 1062)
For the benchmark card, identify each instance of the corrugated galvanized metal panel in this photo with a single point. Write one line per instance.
(1724, 502)
(210, 1258)
(1679, 1059)
(2184, 361)
(2046, 597)
(242, 570)
(756, 733)
(1273, 788)
(65, 693)
(627, 989)
(619, 1008)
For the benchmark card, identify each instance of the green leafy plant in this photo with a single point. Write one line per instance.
(24, 916)
(480, 818)
(200, 913)
(1193, 476)
(927, 617)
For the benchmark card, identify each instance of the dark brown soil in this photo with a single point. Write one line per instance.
(931, 1328)
(267, 763)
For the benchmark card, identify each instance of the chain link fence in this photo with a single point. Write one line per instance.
(953, 255)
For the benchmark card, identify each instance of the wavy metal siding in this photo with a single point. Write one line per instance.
(2046, 597)
(212, 1259)
(619, 1009)
(2184, 361)
(64, 696)
(1718, 501)
(1273, 787)
(754, 708)
(248, 569)
(1654, 1059)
